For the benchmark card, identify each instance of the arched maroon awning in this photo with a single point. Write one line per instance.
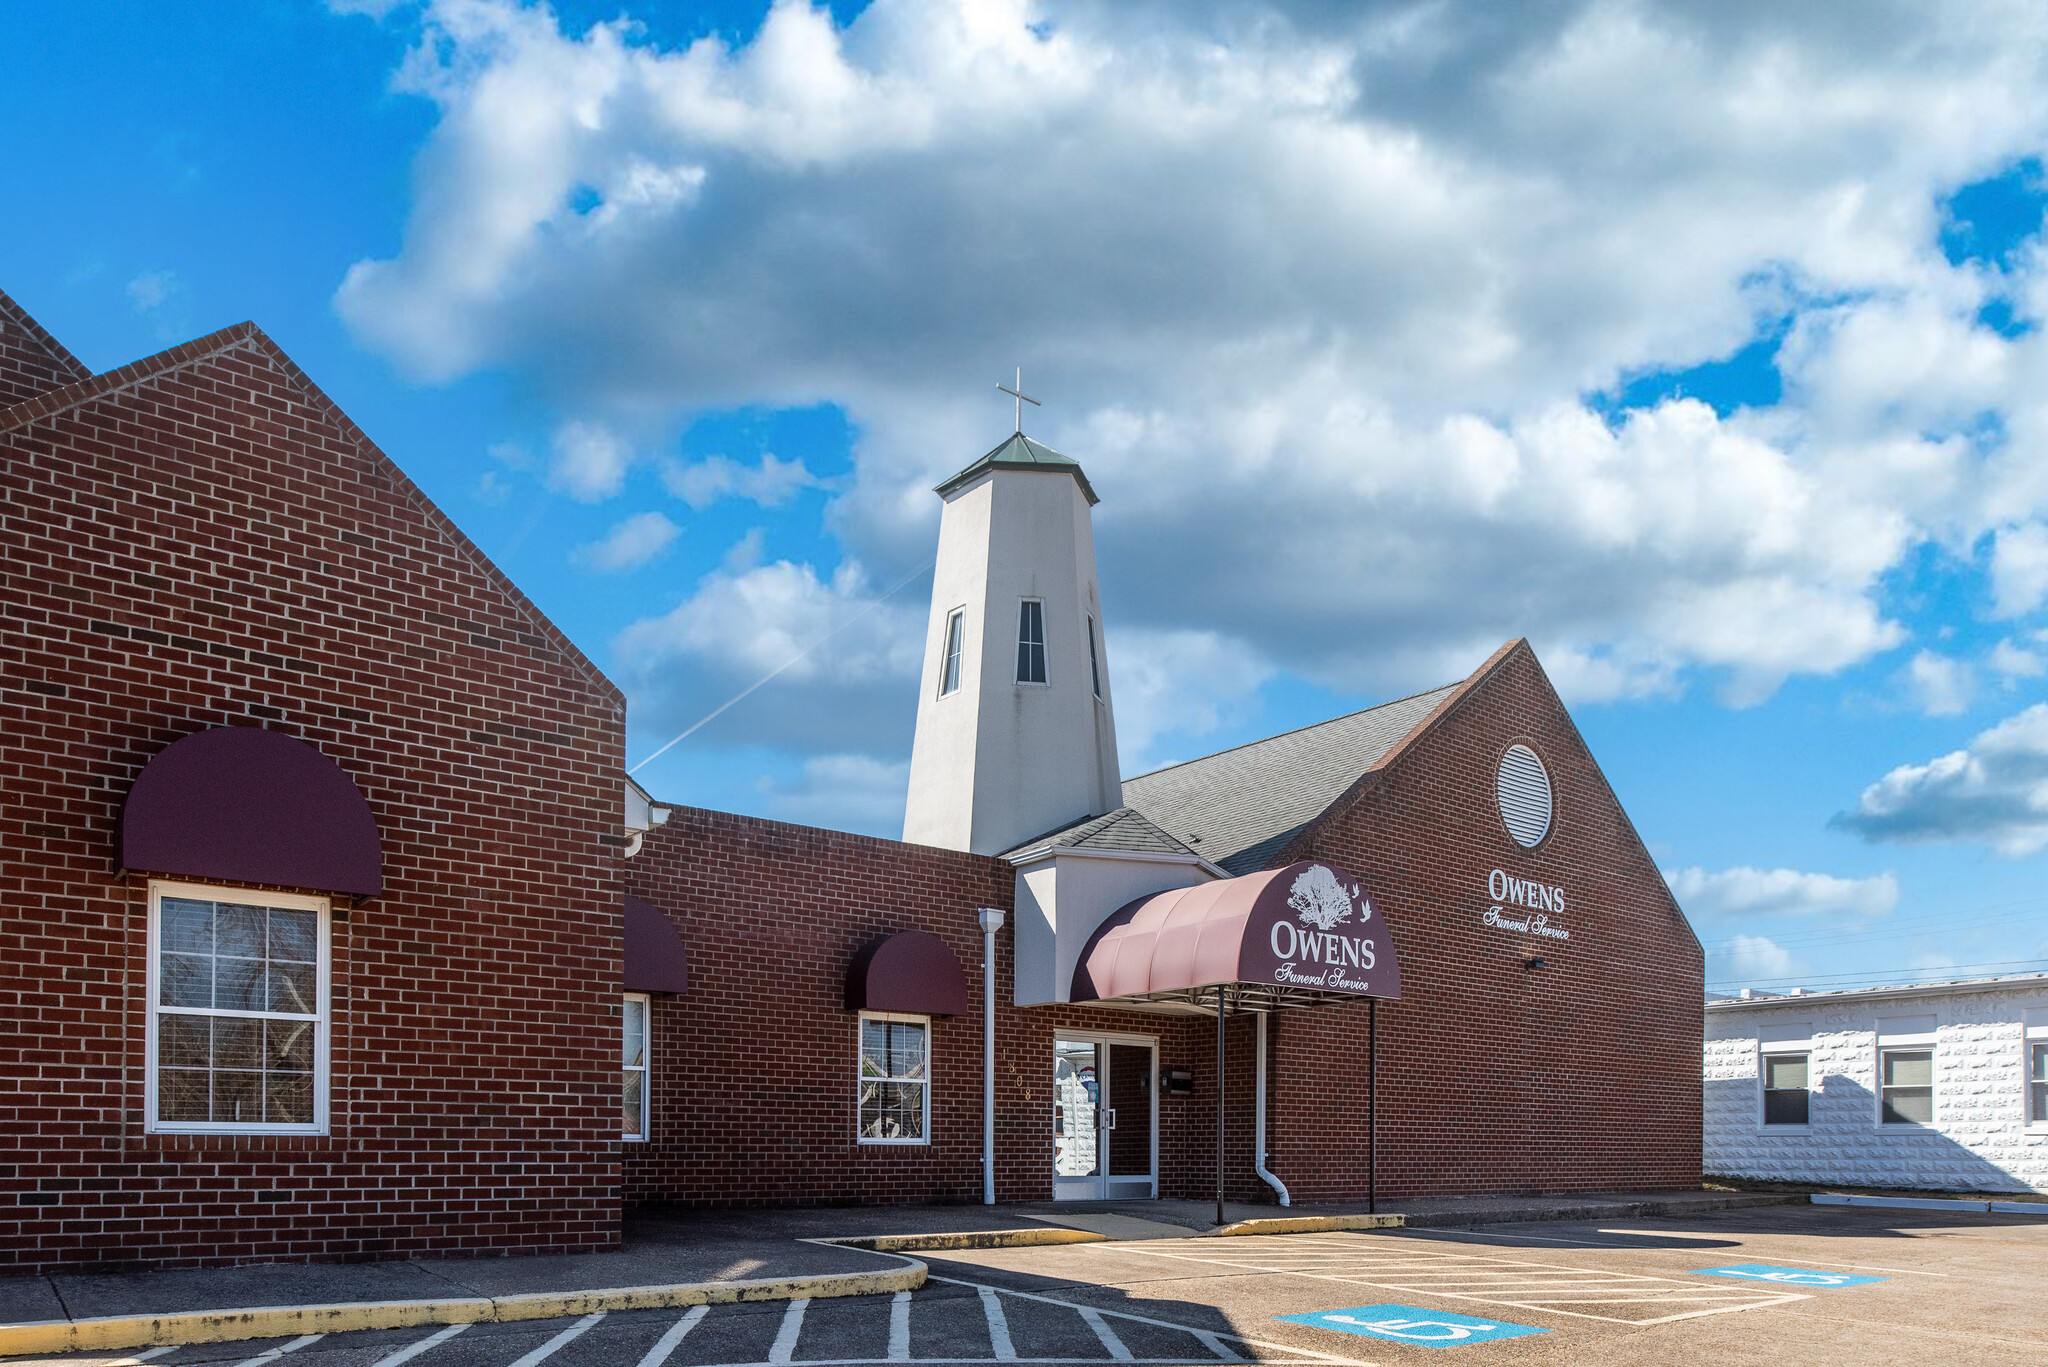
(1286, 937)
(912, 971)
(244, 805)
(655, 958)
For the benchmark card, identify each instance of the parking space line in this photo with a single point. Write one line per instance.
(548, 1349)
(998, 1326)
(1110, 1342)
(899, 1327)
(792, 1326)
(1211, 1339)
(407, 1354)
(275, 1353)
(666, 1344)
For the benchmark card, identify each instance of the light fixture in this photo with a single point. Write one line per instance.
(1532, 963)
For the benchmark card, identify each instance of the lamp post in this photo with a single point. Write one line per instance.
(991, 922)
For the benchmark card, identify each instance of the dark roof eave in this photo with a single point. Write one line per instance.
(975, 471)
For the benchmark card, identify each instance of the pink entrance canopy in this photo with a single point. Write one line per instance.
(1296, 936)
(655, 960)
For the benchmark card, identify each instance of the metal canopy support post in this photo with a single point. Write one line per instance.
(1372, 1105)
(1219, 1103)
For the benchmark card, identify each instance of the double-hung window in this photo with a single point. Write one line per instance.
(2035, 1045)
(1785, 1089)
(1094, 668)
(238, 1011)
(895, 1102)
(1907, 1079)
(949, 672)
(633, 1067)
(1031, 641)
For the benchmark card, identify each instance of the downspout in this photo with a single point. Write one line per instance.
(991, 922)
(1259, 1120)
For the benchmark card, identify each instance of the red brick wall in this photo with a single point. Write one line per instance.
(1581, 1075)
(31, 361)
(204, 541)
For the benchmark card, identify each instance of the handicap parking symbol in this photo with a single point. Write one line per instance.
(1407, 1324)
(1787, 1276)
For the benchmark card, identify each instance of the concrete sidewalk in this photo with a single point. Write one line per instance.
(674, 1257)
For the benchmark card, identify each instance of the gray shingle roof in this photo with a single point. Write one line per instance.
(1122, 829)
(1246, 804)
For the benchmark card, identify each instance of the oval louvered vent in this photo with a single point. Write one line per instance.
(1524, 790)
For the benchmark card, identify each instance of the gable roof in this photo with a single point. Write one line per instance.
(31, 360)
(1021, 453)
(1239, 808)
(247, 336)
(1123, 830)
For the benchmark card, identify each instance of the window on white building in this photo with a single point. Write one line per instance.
(1094, 669)
(1785, 1089)
(238, 1011)
(2037, 1082)
(1907, 1087)
(633, 1067)
(895, 1079)
(949, 673)
(1031, 641)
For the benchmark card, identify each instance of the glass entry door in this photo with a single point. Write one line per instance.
(1105, 1120)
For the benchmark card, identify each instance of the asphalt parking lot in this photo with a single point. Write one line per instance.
(1823, 1285)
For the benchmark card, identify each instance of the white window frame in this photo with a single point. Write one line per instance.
(952, 650)
(646, 1064)
(1094, 661)
(1044, 646)
(2033, 1035)
(1906, 1035)
(1766, 1050)
(899, 1018)
(322, 1020)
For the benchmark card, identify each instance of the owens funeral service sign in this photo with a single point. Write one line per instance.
(1307, 928)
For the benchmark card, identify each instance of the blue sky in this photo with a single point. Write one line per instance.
(1705, 351)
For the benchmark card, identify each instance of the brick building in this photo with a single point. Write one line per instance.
(330, 927)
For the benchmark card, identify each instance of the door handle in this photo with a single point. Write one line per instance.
(1109, 1119)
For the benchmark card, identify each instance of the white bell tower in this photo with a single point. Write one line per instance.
(1015, 732)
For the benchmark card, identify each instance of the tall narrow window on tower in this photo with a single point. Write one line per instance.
(1031, 641)
(1094, 669)
(949, 673)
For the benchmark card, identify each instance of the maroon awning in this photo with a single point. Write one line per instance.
(912, 971)
(240, 804)
(655, 958)
(1285, 937)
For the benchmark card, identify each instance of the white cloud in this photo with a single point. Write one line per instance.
(630, 543)
(1314, 292)
(2019, 569)
(1939, 686)
(771, 483)
(844, 793)
(1994, 792)
(151, 289)
(1745, 891)
(848, 659)
(2013, 662)
(589, 462)
(1752, 956)
(1179, 683)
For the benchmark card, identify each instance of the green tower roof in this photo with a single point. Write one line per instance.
(1021, 453)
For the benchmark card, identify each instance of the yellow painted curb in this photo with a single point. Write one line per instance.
(1310, 1224)
(984, 1238)
(221, 1326)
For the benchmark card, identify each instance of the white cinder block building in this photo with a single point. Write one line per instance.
(1943, 1086)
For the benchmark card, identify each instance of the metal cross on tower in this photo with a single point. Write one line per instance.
(1021, 397)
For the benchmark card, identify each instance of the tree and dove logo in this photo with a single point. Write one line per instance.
(1321, 900)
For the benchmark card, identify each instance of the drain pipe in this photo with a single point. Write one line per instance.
(1259, 1120)
(991, 922)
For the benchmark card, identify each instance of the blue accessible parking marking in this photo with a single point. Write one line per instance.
(1787, 1276)
(1407, 1324)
